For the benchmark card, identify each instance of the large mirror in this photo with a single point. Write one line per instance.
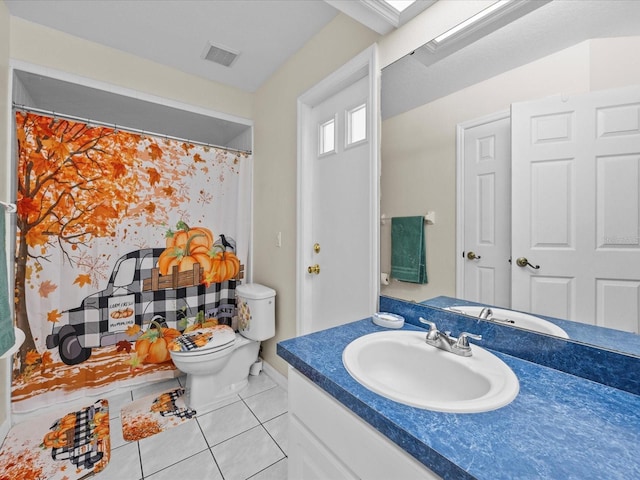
(563, 47)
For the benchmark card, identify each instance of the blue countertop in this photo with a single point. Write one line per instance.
(560, 426)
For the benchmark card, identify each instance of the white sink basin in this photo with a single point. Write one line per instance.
(515, 319)
(399, 365)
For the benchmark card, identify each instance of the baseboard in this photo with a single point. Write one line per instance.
(275, 375)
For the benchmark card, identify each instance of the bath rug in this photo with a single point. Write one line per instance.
(63, 445)
(154, 414)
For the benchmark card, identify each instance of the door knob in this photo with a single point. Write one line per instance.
(523, 262)
(473, 256)
(314, 269)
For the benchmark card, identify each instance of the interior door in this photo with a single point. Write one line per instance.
(340, 223)
(338, 184)
(576, 207)
(487, 211)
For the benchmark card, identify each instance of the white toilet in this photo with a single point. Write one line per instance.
(220, 366)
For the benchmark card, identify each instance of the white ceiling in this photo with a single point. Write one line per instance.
(417, 79)
(268, 32)
(177, 32)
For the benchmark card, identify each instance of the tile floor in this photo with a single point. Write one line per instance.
(243, 438)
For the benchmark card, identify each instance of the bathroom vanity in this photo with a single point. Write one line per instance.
(560, 425)
(327, 440)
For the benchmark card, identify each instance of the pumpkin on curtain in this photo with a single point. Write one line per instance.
(124, 240)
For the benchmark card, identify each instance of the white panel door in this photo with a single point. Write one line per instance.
(340, 224)
(487, 211)
(576, 207)
(338, 183)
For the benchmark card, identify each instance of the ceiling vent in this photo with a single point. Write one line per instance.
(220, 55)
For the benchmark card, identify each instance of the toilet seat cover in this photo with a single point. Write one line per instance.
(208, 338)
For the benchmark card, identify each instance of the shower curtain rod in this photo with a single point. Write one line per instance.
(118, 127)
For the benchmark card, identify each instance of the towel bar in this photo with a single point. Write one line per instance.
(430, 218)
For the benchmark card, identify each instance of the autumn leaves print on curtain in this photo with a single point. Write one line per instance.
(96, 209)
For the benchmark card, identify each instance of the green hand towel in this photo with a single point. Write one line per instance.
(408, 254)
(7, 334)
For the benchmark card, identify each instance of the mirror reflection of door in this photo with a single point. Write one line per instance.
(576, 168)
(575, 212)
(486, 145)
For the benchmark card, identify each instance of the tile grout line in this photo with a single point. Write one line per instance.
(209, 447)
(139, 459)
(266, 468)
(275, 441)
(265, 428)
(267, 431)
(252, 412)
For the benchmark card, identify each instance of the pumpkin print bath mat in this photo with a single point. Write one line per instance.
(63, 445)
(154, 414)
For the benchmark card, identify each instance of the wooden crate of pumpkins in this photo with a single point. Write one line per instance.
(191, 257)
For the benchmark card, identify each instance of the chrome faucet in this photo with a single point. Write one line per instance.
(487, 314)
(444, 340)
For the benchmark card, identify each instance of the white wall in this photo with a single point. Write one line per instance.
(615, 62)
(419, 146)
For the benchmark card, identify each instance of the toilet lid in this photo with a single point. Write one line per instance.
(204, 339)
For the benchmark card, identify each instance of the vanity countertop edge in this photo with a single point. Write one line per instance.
(560, 426)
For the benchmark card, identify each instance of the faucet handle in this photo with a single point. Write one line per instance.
(433, 329)
(463, 339)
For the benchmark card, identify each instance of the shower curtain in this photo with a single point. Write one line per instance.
(122, 239)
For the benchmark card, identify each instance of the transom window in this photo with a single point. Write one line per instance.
(357, 124)
(328, 137)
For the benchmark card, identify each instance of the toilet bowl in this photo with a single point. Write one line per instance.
(217, 371)
(216, 359)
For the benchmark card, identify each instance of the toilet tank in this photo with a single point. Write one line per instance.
(256, 311)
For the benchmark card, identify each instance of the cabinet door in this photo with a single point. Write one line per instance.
(339, 441)
(309, 459)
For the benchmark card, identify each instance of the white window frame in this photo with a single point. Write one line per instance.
(347, 125)
(321, 126)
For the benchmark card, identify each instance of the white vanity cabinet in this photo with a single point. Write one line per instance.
(327, 441)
